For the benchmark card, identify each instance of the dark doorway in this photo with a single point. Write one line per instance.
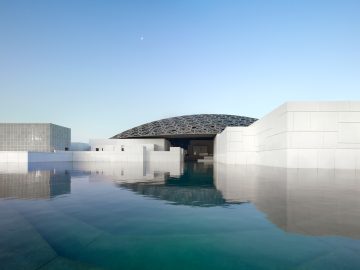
(195, 148)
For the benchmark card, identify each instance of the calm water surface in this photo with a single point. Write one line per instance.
(196, 216)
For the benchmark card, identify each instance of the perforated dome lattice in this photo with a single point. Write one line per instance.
(197, 124)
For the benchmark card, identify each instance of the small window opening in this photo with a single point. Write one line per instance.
(122, 148)
(66, 148)
(96, 149)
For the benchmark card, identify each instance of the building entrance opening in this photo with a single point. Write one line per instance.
(194, 148)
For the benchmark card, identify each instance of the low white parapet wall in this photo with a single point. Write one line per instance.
(135, 154)
(110, 156)
(13, 167)
(296, 135)
(176, 154)
(151, 144)
(13, 156)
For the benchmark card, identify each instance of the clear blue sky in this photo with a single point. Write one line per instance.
(100, 67)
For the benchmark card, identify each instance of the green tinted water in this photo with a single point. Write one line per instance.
(126, 216)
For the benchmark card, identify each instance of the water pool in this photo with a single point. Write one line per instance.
(171, 216)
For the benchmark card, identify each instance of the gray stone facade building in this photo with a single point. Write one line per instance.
(44, 137)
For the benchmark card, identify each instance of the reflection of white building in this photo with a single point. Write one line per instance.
(132, 171)
(306, 201)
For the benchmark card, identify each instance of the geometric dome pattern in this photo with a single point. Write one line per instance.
(196, 124)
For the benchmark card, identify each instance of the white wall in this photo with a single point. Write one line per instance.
(133, 154)
(296, 135)
(176, 154)
(136, 153)
(13, 156)
(115, 144)
(15, 164)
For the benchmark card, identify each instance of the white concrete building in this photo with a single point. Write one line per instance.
(126, 144)
(105, 150)
(134, 150)
(296, 135)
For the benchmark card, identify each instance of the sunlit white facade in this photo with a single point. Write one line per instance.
(296, 135)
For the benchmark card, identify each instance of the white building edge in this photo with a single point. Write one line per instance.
(296, 135)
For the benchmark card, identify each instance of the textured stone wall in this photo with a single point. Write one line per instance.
(60, 138)
(25, 137)
(33, 137)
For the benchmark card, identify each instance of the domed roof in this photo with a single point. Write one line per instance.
(187, 125)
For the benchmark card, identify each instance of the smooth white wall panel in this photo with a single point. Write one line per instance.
(349, 133)
(297, 135)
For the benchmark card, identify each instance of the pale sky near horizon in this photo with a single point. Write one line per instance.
(101, 67)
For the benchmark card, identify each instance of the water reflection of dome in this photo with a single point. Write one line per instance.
(195, 187)
(184, 195)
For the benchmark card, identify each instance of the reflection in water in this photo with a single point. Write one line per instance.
(142, 216)
(129, 171)
(306, 201)
(195, 187)
(34, 184)
(192, 186)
